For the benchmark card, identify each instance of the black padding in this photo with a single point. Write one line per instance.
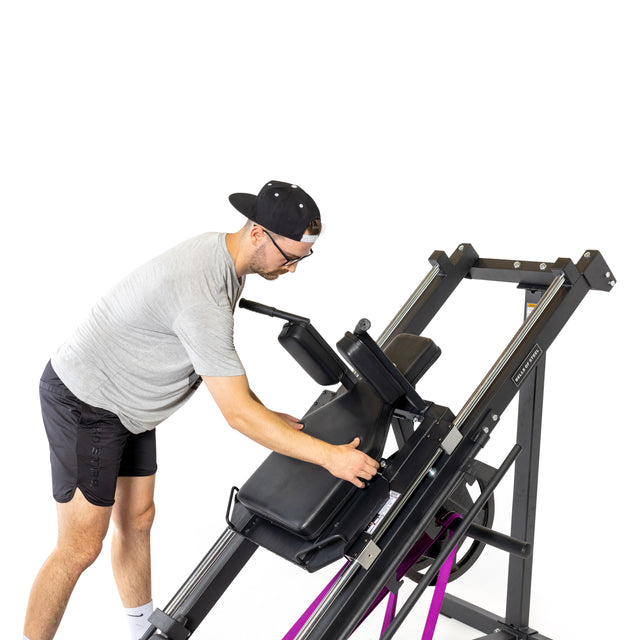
(312, 353)
(302, 497)
(370, 367)
(377, 367)
(413, 355)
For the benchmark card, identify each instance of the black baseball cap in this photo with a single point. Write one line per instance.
(281, 207)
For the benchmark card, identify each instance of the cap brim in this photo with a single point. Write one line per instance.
(244, 203)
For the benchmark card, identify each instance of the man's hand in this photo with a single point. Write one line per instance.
(290, 420)
(348, 463)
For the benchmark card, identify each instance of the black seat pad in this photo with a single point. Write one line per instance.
(304, 497)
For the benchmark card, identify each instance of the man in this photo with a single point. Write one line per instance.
(142, 352)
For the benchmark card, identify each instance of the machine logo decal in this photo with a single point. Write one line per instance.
(528, 364)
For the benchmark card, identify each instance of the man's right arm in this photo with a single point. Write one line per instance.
(248, 416)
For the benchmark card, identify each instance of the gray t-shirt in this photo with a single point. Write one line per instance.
(145, 344)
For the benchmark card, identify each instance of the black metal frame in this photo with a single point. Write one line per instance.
(558, 288)
(591, 272)
(523, 517)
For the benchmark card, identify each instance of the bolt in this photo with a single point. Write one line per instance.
(516, 265)
(432, 472)
(587, 254)
(485, 429)
(543, 266)
(608, 274)
(494, 417)
(461, 247)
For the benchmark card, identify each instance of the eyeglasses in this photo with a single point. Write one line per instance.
(287, 260)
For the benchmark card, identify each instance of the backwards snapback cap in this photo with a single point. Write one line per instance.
(281, 207)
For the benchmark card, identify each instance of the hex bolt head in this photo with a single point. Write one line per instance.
(543, 266)
(516, 265)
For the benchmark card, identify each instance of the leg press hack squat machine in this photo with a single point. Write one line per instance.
(416, 520)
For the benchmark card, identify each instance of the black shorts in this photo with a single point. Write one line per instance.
(89, 447)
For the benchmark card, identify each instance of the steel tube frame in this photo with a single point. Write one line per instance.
(569, 288)
(201, 570)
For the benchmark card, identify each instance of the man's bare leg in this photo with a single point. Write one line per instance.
(81, 529)
(132, 516)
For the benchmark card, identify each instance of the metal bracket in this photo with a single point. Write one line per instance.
(451, 441)
(173, 628)
(368, 555)
(596, 271)
(406, 414)
(519, 634)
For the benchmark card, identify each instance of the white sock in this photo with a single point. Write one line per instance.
(138, 618)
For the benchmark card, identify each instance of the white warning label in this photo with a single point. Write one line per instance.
(386, 507)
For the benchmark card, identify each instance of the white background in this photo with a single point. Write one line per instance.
(416, 126)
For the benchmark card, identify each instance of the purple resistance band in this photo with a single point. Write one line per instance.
(438, 596)
(441, 583)
(436, 601)
(413, 556)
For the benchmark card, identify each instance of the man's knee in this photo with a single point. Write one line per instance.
(144, 520)
(80, 551)
(138, 521)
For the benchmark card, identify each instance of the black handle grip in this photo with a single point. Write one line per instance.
(271, 311)
(499, 540)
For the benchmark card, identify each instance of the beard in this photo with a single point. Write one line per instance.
(271, 275)
(257, 266)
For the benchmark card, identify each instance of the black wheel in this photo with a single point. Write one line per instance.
(460, 501)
